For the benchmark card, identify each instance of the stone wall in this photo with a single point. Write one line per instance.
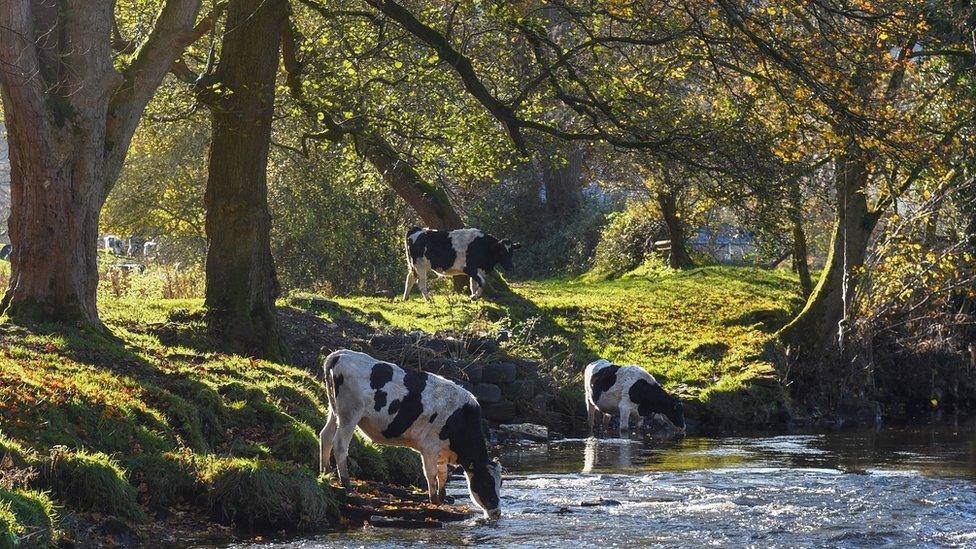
(508, 388)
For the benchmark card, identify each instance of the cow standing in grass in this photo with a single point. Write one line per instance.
(410, 408)
(630, 392)
(469, 252)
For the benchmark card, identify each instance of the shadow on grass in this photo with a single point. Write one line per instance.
(560, 339)
(765, 320)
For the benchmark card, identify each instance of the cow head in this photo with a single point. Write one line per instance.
(676, 413)
(653, 399)
(503, 253)
(485, 486)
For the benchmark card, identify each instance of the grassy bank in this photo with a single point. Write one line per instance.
(105, 437)
(702, 331)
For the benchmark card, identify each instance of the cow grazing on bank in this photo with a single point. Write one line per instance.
(410, 408)
(469, 252)
(630, 392)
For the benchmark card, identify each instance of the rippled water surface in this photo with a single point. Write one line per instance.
(868, 488)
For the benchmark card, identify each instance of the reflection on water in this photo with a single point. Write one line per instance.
(619, 453)
(890, 487)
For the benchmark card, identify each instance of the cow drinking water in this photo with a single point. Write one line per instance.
(629, 391)
(469, 252)
(422, 411)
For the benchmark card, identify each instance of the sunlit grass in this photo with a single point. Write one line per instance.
(703, 327)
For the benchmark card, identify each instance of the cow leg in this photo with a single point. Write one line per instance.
(477, 282)
(411, 280)
(442, 480)
(625, 412)
(343, 438)
(326, 438)
(606, 422)
(430, 473)
(421, 271)
(590, 415)
(640, 423)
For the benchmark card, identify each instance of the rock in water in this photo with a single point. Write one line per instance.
(599, 503)
(525, 431)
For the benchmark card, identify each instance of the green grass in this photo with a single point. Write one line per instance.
(128, 422)
(703, 328)
(26, 519)
(91, 482)
(268, 495)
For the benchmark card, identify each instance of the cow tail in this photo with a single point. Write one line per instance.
(329, 379)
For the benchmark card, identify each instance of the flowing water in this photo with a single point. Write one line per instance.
(892, 487)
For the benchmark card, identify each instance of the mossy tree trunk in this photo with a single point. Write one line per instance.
(667, 199)
(70, 114)
(431, 203)
(817, 332)
(241, 281)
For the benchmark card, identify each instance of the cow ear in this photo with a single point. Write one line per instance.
(516, 245)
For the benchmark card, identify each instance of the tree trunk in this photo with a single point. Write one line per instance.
(241, 281)
(70, 116)
(800, 253)
(967, 204)
(678, 258)
(53, 228)
(819, 329)
(430, 202)
(564, 186)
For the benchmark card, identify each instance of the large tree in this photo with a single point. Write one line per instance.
(72, 105)
(241, 281)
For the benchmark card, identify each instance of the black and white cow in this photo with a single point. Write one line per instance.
(410, 408)
(630, 392)
(471, 252)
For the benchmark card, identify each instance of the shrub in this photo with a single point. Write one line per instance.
(268, 496)
(158, 281)
(92, 482)
(26, 518)
(626, 239)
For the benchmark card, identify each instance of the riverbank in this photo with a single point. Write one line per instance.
(144, 432)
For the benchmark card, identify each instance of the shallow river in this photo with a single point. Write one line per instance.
(912, 487)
